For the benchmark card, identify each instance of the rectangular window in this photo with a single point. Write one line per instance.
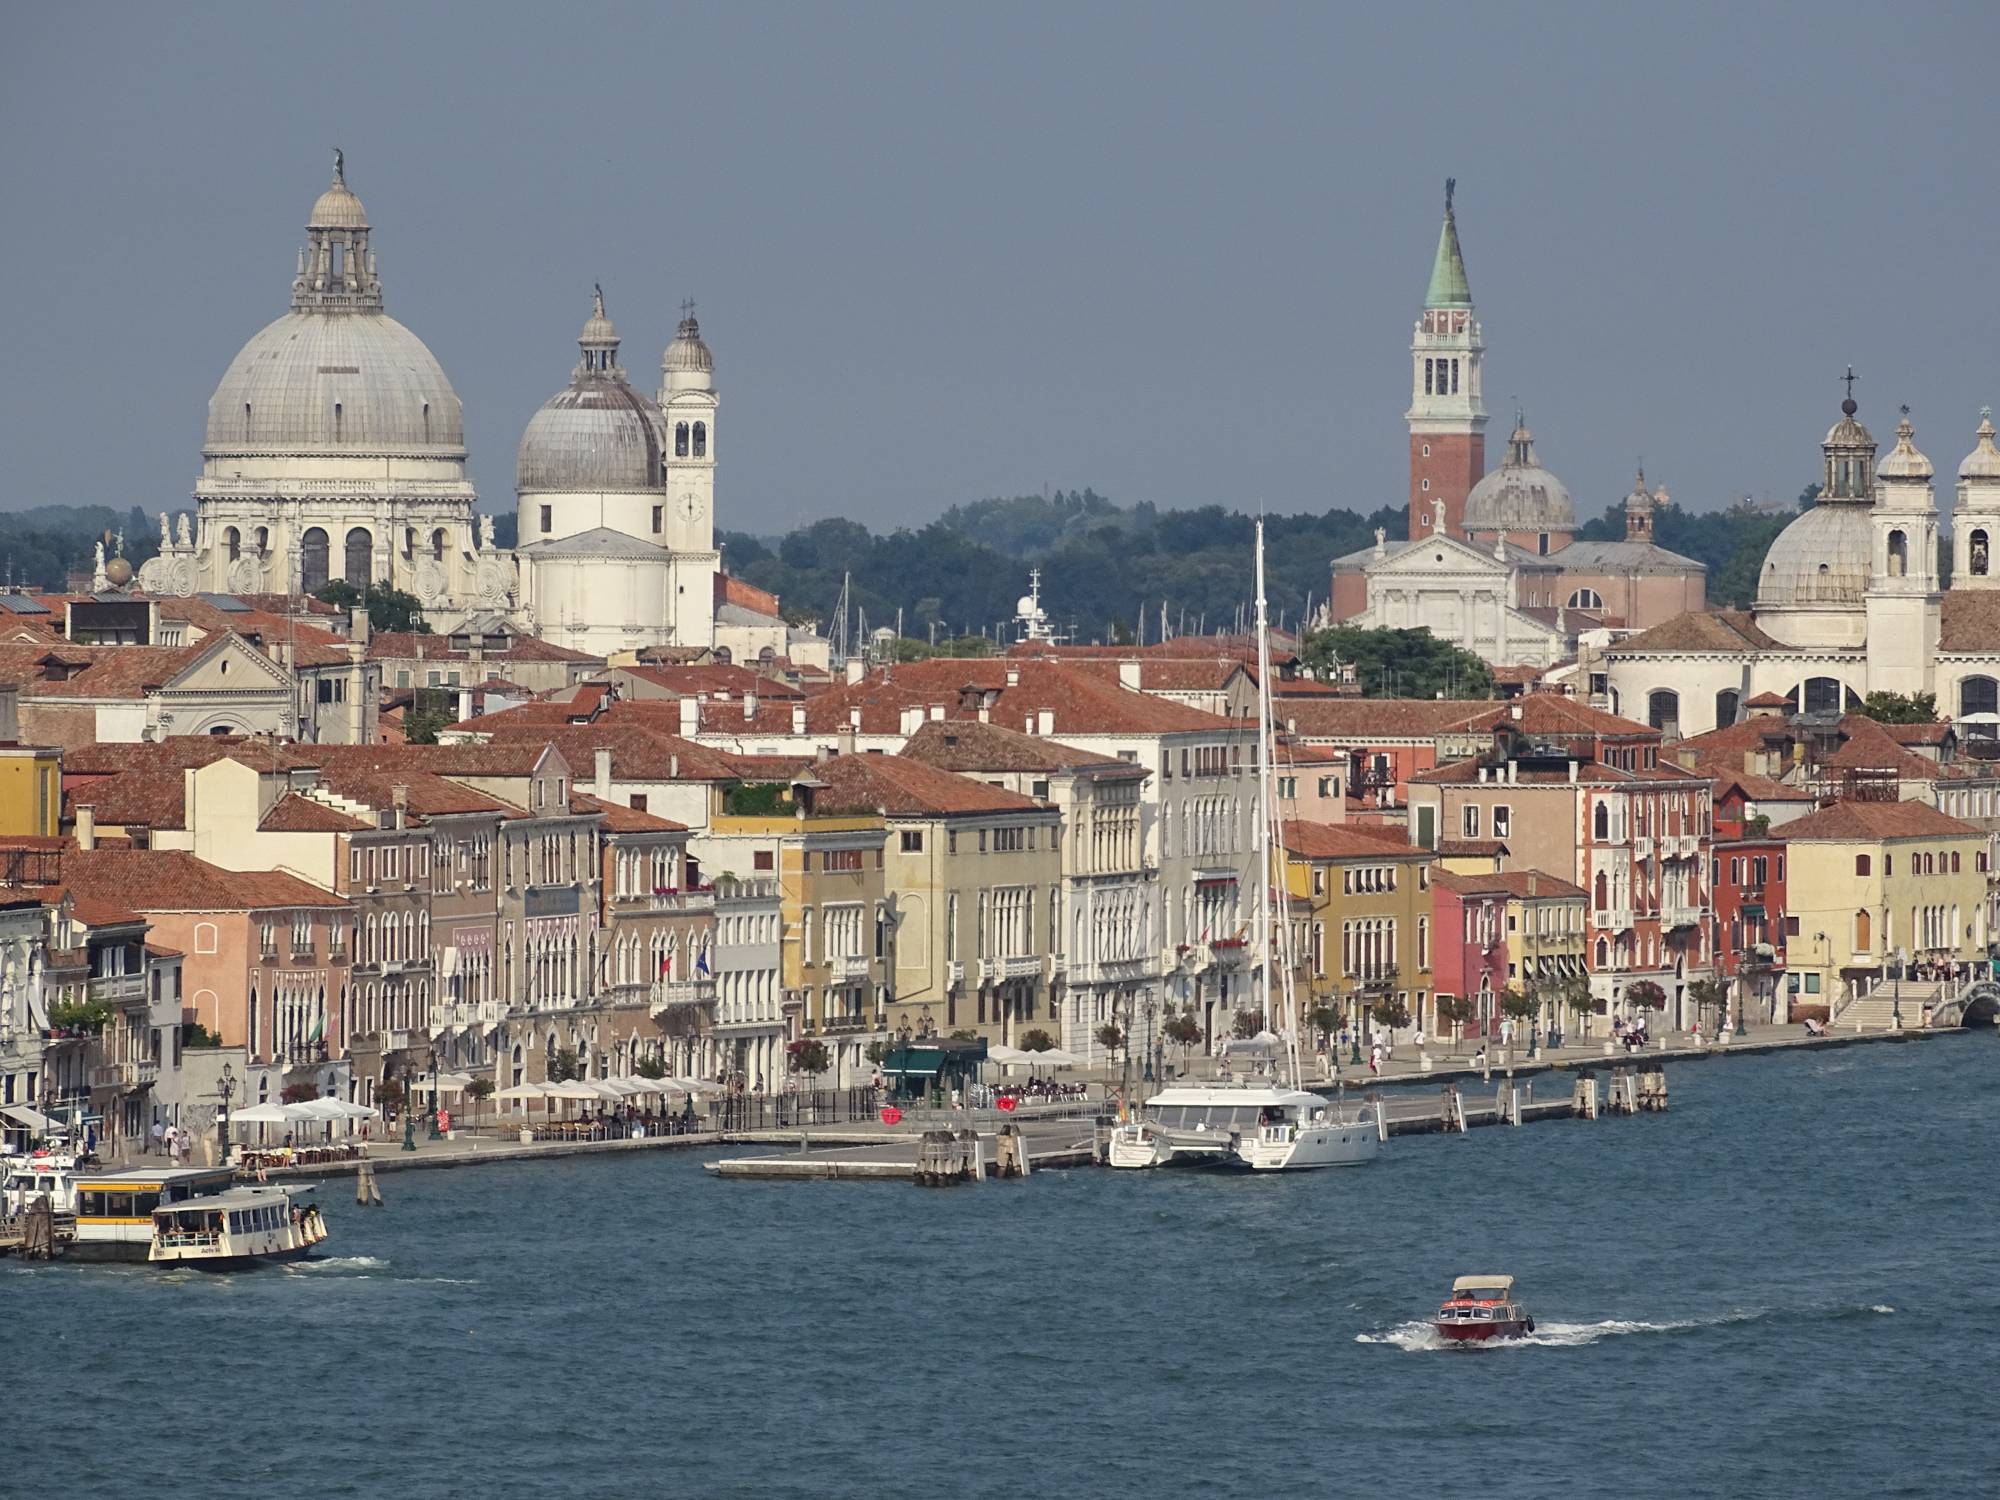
(638, 802)
(659, 515)
(1503, 821)
(848, 860)
(1471, 814)
(761, 859)
(913, 841)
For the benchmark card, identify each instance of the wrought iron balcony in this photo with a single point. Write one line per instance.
(679, 994)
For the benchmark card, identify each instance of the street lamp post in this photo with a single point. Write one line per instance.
(225, 1086)
(1896, 994)
(409, 1119)
(435, 1135)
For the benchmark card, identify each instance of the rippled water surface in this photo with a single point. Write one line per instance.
(1782, 1287)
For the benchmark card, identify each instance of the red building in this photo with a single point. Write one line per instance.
(1469, 946)
(1749, 922)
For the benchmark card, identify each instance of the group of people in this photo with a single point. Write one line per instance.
(1631, 1035)
(172, 1142)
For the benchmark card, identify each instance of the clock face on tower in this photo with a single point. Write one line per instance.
(690, 507)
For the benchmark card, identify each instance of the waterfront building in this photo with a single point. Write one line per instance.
(1521, 929)
(1363, 896)
(1632, 830)
(30, 777)
(24, 1013)
(752, 1021)
(1469, 918)
(1870, 882)
(972, 891)
(1105, 966)
(1751, 921)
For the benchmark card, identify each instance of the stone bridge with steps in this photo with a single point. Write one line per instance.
(1973, 1003)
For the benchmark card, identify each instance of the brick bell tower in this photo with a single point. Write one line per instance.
(1447, 418)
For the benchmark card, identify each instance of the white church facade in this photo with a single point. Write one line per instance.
(335, 449)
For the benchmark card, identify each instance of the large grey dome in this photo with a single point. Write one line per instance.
(1520, 495)
(598, 434)
(348, 382)
(1819, 561)
(335, 375)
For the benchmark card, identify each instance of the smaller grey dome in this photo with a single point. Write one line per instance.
(599, 435)
(1520, 495)
(1983, 462)
(687, 354)
(1820, 561)
(337, 207)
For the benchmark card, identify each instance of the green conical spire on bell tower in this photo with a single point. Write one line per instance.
(1449, 288)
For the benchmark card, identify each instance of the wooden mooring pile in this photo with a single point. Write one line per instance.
(38, 1232)
(946, 1158)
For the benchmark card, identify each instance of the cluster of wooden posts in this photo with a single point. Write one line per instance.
(948, 1157)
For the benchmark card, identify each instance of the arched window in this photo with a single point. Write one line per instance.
(1603, 891)
(1818, 695)
(701, 440)
(232, 542)
(1978, 695)
(681, 440)
(1603, 954)
(1954, 861)
(1863, 932)
(263, 540)
(1586, 599)
(437, 544)
(1861, 864)
(723, 656)
(1726, 703)
(1600, 825)
(1663, 710)
(360, 547)
(313, 560)
(1899, 554)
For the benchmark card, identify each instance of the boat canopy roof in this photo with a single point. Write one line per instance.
(244, 1197)
(1483, 1284)
(143, 1177)
(1225, 1097)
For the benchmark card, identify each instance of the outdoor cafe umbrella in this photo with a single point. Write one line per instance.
(1055, 1057)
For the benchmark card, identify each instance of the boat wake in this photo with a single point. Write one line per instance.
(1420, 1337)
(342, 1263)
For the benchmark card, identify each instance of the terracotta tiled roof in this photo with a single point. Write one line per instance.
(1082, 702)
(1348, 841)
(1768, 700)
(1969, 620)
(293, 813)
(638, 752)
(618, 818)
(731, 590)
(1470, 848)
(134, 798)
(97, 671)
(1759, 788)
(714, 681)
(399, 646)
(1547, 715)
(1919, 734)
(1847, 822)
(427, 793)
(1466, 773)
(1169, 674)
(171, 880)
(896, 786)
(178, 752)
(1726, 630)
(1520, 884)
(968, 745)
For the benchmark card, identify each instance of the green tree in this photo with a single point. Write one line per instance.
(1037, 1040)
(1185, 1032)
(1900, 708)
(1456, 1011)
(1709, 996)
(651, 1067)
(877, 1052)
(808, 1056)
(389, 609)
(1110, 1036)
(1393, 1012)
(1647, 995)
(428, 716)
(1324, 1019)
(1246, 1024)
(565, 1066)
(1397, 663)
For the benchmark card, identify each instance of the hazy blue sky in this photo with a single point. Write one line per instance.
(1171, 252)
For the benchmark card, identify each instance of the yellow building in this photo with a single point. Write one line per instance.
(1868, 881)
(1545, 937)
(1361, 914)
(30, 778)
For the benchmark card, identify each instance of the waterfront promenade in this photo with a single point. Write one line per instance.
(1403, 1074)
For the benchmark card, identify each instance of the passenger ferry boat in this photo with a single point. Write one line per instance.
(114, 1210)
(230, 1231)
(1481, 1308)
(29, 1177)
(1264, 1129)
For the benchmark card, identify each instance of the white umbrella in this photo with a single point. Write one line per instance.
(1007, 1056)
(357, 1111)
(324, 1109)
(268, 1113)
(569, 1091)
(1055, 1057)
(447, 1083)
(523, 1091)
(701, 1088)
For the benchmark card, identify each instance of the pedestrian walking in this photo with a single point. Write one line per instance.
(159, 1138)
(1375, 1059)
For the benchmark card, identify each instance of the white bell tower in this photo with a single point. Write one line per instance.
(687, 402)
(1975, 518)
(1904, 601)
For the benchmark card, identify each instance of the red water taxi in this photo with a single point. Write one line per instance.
(1481, 1308)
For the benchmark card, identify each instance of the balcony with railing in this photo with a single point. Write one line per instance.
(1013, 966)
(1616, 918)
(954, 972)
(1642, 847)
(681, 994)
(467, 1013)
(688, 902)
(118, 989)
(125, 1075)
(1680, 914)
(847, 968)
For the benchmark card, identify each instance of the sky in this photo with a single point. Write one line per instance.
(1172, 253)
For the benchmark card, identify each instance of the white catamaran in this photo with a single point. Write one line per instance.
(1274, 1126)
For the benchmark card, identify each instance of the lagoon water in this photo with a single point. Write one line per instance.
(1784, 1286)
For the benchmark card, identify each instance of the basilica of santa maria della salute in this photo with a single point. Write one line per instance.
(335, 449)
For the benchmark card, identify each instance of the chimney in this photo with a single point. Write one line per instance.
(1013, 676)
(937, 712)
(1128, 675)
(1531, 885)
(1045, 722)
(1572, 773)
(912, 719)
(855, 667)
(854, 717)
(357, 625)
(690, 717)
(798, 718)
(86, 825)
(674, 767)
(749, 705)
(602, 784)
(399, 797)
